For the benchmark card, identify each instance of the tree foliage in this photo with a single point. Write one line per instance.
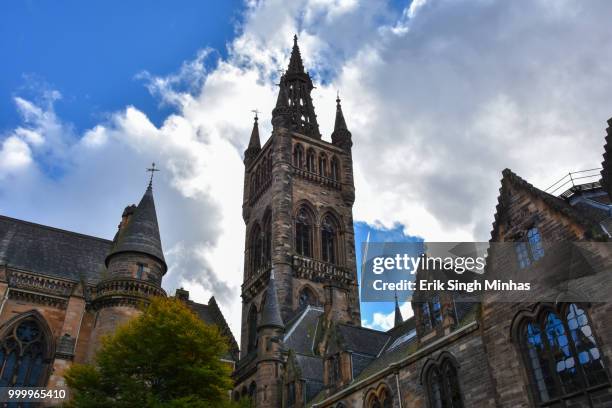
(164, 358)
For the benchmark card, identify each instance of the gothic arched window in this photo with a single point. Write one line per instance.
(253, 394)
(256, 249)
(329, 239)
(381, 398)
(531, 250)
(291, 394)
(25, 354)
(307, 297)
(431, 312)
(298, 156)
(303, 233)
(310, 161)
(323, 165)
(335, 169)
(442, 385)
(561, 354)
(252, 328)
(267, 240)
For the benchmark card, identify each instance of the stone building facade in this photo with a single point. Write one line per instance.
(302, 341)
(62, 291)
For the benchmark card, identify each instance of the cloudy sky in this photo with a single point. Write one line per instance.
(440, 96)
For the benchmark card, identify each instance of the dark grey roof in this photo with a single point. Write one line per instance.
(301, 332)
(51, 251)
(361, 339)
(340, 123)
(212, 315)
(254, 142)
(142, 231)
(311, 367)
(271, 316)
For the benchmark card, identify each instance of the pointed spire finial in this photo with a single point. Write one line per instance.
(295, 38)
(254, 146)
(398, 313)
(152, 170)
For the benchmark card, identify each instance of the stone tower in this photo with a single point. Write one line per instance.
(135, 266)
(297, 207)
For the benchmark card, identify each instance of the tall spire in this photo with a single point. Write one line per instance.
(294, 109)
(398, 313)
(271, 315)
(141, 234)
(254, 144)
(341, 136)
(296, 66)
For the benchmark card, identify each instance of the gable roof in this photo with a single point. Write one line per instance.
(51, 251)
(361, 340)
(212, 315)
(554, 203)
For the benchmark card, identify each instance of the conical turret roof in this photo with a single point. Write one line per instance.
(398, 313)
(141, 234)
(254, 142)
(271, 315)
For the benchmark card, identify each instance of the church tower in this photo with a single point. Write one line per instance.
(297, 207)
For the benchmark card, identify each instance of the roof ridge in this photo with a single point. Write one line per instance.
(56, 229)
(556, 203)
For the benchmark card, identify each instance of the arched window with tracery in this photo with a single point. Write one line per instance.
(303, 233)
(253, 394)
(442, 384)
(307, 297)
(329, 239)
(561, 353)
(431, 313)
(256, 249)
(379, 398)
(298, 156)
(252, 328)
(334, 169)
(25, 353)
(323, 165)
(310, 161)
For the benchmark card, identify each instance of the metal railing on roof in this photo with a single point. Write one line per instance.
(574, 181)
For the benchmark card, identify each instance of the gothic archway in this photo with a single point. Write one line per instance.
(26, 351)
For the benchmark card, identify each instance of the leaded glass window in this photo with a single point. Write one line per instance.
(303, 234)
(562, 354)
(22, 355)
(328, 240)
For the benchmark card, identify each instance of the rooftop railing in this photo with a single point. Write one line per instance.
(575, 181)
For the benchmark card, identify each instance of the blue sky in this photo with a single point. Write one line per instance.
(92, 52)
(92, 92)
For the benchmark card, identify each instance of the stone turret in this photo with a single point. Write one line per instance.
(135, 266)
(270, 363)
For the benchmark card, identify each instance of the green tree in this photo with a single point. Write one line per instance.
(164, 358)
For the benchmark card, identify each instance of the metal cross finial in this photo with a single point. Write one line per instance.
(152, 169)
(256, 112)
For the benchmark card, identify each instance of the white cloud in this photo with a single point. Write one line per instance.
(440, 97)
(386, 321)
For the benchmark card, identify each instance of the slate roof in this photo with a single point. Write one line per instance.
(212, 315)
(142, 231)
(361, 339)
(51, 251)
(301, 331)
